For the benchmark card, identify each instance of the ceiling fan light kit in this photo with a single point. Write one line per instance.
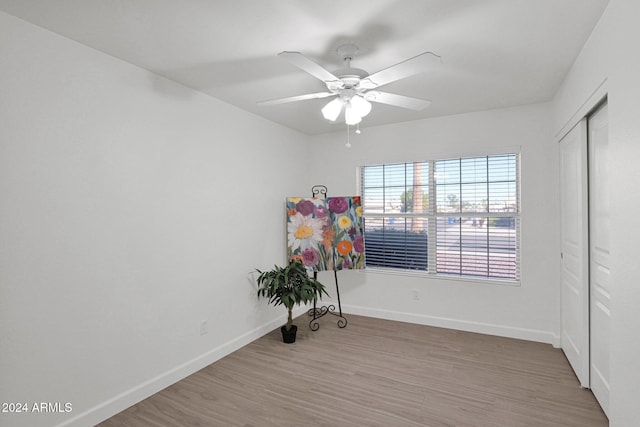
(352, 87)
(332, 110)
(357, 108)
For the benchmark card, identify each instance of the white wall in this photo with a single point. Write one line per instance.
(132, 208)
(610, 55)
(624, 111)
(586, 83)
(529, 311)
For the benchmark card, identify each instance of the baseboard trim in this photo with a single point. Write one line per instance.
(461, 325)
(148, 388)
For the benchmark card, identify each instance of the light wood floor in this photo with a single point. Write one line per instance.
(376, 373)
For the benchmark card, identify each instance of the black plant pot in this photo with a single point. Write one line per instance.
(290, 335)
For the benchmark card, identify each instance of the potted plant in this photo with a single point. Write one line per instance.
(289, 286)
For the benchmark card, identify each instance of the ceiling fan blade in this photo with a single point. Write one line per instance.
(417, 64)
(317, 95)
(305, 64)
(397, 100)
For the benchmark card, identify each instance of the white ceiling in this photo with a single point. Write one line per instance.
(495, 53)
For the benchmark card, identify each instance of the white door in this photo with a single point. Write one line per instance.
(599, 259)
(574, 251)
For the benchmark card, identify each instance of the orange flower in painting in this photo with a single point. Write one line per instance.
(327, 237)
(291, 211)
(296, 258)
(344, 247)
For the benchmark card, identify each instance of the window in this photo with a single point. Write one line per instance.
(444, 217)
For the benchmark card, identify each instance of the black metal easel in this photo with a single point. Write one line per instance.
(318, 312)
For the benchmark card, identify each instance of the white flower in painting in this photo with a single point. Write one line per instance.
(304, 232)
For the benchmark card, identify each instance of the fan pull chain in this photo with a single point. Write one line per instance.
(348, 144)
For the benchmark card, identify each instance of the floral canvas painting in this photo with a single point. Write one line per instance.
(308, 232)
(346, 224)
(325, 234)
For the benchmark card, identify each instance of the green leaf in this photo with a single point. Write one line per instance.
(289, 286)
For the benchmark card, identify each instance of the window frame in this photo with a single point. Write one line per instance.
(433, 215)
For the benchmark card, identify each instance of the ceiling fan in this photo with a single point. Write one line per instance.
(353, 87)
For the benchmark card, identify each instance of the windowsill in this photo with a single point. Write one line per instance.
(431, 276)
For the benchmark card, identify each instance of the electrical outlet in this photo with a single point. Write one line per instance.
(415, 295)
(204, 327)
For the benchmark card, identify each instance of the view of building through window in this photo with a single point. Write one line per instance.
(454, 216)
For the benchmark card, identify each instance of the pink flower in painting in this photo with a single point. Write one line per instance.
(305, 207)
(338, 205)
(310, 257)
(320, 212)
(358, 244)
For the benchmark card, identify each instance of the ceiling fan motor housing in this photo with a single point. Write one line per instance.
(350, 76)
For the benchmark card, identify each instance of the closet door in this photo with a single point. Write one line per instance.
(574, 250)
(599, 259)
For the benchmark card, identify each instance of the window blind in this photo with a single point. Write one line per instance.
(446, 217)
